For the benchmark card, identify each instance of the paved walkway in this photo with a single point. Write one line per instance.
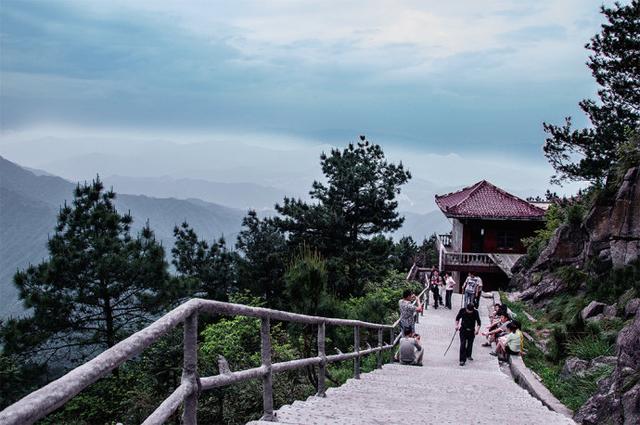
(441, 392)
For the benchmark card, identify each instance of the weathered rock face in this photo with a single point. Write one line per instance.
(574, 366)
(593, 309)
(614, 230)
(609, 233)
(565, 247)
(632, 307)
(617, 400)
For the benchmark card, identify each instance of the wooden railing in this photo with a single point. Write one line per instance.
(54, 395)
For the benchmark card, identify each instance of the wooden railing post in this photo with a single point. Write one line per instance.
(379, 356)
(322, 367)
(267, 379)
(190, 369)
(392, 339)
(356, 347)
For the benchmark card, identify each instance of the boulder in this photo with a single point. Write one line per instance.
(602, 361)
(593, 309)
(632, 307)
(610, 311)
(565, 247)
(574, 366)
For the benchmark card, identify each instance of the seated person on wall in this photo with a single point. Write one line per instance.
(509, 344)
(499, 330)
(411, 351)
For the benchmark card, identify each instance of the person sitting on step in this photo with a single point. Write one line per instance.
(411, 351)
(497, 330)
(510, 344)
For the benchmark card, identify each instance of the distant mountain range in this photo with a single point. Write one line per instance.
(236, 195)
(31, 198)
(29, 204)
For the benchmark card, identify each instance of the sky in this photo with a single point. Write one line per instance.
(459, 90)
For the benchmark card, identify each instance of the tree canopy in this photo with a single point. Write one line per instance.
(98, 284)
(591, 153)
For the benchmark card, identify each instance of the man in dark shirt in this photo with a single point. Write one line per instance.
(468, 323)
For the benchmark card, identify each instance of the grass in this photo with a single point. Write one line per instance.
(589, 347)
(559, 316)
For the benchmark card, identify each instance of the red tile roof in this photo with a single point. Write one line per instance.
(484, 200)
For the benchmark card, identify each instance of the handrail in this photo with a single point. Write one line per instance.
(55, 394)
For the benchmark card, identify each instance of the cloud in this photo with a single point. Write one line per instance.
(437, 76)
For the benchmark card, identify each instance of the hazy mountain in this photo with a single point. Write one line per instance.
(30, 200)
(29, 204)
(236, 195)
(419, 226)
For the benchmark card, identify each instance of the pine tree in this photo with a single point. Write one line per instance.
(592, 153)
(98, 285)
(206, 270)
(262, 263)
(357, 203)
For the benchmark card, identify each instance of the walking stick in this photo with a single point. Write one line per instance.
(452, 338)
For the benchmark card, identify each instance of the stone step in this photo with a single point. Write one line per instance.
(441, 392)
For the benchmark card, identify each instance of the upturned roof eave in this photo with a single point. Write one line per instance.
(500, 218)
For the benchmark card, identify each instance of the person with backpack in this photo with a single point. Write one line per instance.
(469, 288)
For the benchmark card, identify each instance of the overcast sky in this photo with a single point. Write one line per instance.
(466, 80)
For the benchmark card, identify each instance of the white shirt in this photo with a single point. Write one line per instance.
(450, 283)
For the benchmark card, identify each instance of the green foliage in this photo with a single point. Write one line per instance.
(99, 283)
(554, 217)
(405, 252)
(348, 215)
(592, 153)
(205, 270)
(572, 276)
(428, 252)
(264, 256)
(576, 390)
(611, 285)
(589, 347)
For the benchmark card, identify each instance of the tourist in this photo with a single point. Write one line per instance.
(468, 323)
(450, 284)
(408, 310)
(469, 288)
(411, 351)
(497, 330)
(435, 284)
(510, 344)
(476, 299)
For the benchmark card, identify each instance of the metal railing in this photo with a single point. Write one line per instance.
(54, 395)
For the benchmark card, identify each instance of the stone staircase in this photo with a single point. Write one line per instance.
(441, 392)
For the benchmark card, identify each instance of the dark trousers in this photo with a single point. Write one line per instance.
(466, 344)
(436, 295)
(447, 298)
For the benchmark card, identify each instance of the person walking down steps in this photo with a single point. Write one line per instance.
(468, 323)
(470, 288)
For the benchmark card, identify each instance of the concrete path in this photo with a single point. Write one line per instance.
(441, 392)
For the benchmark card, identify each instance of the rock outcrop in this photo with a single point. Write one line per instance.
(614, 230)
(610, 233)
(617, 400)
